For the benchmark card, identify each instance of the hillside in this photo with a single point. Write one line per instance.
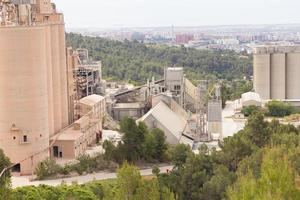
(137, 61)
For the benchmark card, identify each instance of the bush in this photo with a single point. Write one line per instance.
(84, 164)
(47, 168)
(248, 110)
(279, 109)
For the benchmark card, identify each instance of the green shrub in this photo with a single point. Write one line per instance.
(279, 109)
(47, 168)
(248, 110)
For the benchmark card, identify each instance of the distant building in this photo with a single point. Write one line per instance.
(184, 38)
(247, 99)
(174, 83)
(134, 110)
(182, 90)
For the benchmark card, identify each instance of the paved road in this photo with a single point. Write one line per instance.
(25, 180)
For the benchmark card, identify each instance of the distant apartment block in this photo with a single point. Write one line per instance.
(184, 38)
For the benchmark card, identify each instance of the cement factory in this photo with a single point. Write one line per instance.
(50, 95)
(54, 102)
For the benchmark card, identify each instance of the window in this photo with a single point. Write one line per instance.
(177, 87)
(25, 139)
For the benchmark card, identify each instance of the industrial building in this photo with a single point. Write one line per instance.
(247, 99)
(88, 75)
(183, 91)
(176, 98)
(168, 116)
(38, 88)
(276, 72)
(135, 110)
(74, 140)
(214, 117)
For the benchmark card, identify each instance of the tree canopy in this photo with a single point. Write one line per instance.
(135, 61)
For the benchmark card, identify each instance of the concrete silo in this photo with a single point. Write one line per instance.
(277, 80)
(33, 81)
(292, 74)
(24, 126)
(262, 76)
(276, 72)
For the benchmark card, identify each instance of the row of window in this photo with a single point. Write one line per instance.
(25, 138)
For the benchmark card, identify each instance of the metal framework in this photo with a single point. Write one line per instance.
(202, 133)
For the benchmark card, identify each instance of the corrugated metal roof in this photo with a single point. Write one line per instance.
(169, 119)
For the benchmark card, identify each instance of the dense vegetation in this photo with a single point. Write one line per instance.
(245, 158)
(139, 143)
(273, 108)
(260, 162)
(129, 185)
(134, 61)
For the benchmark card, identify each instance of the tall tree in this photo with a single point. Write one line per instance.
(129, 181)
(134, 137)
(256, 129)
(277, 180)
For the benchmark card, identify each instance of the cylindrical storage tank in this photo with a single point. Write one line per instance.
(63, 75)
(278, 76)
(50, 80)
(56, 78)
(24, 128)
(261, 72)
(292, 74)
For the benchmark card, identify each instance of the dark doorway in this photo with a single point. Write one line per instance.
(16, 168)
(55, 151)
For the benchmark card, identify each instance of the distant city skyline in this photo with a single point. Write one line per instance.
(156, 13)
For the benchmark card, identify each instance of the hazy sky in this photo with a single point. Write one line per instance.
(144, 13)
